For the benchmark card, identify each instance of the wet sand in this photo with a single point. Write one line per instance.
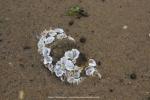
(117, 36)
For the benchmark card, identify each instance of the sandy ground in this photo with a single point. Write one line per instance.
(124, 53)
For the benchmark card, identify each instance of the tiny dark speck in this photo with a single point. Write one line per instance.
(111, 90)
(26, 47)
(32, 65)
(71, 23)
(82, 39)
(31, 80)
(103, 0)
(133, 76)
(99, 63)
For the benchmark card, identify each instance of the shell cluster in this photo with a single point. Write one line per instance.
(65, 68)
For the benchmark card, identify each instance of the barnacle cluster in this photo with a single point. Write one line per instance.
(66, 67)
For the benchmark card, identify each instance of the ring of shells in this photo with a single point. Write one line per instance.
(65, 68)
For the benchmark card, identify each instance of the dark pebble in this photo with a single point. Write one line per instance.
(82, 39)
(83, 13)
(31, 80)
(111, 90)
(1, 40)
(78, 16)
(133, 76)
(32, 65)
(99, 63)
(103, 0)
(92, 31)
(26, 47)
(71, 23)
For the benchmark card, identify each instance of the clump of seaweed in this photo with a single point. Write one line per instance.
(77, 11)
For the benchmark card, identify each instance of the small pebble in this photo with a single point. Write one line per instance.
(71, 23)
(21, 95)
(99, 63)
(92, 31)
(103, 0)
(149, 34)
(125, 27)
(32, 65)
(133, 76)
(82, 39)
(111, 90)
(26, 47)
(83, 13)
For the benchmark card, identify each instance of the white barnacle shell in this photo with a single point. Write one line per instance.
(89, 71)
(52, 33)
(49, 40)
(71, 38)
(48, 60)
(92, 62)
(50, 67)
(69, 65)
(62, 62)
(75, 53)
(41, 43)
(73, 80)
(59, 30)
(72, 54)
(61, 36)
(46, 51)
(58, 70)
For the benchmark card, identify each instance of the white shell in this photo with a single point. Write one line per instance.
(46, 51)
(69, 65)
(52, 33)
(72, 54)
(62, 61)
(75, 53)
(59, 30)
(73, 80)
(89, 71)
(49, 40)
(50, 67)
(92, 62)
(58, 71)
(48, 60)
(61, 36)
(71, 38)
(41, 43)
